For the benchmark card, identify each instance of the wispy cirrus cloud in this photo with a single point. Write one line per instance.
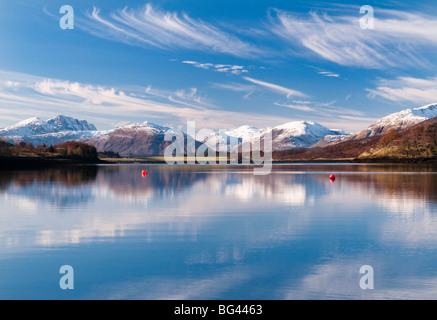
(329, 74)
(407, 89)
(308, 105)
(301, 107)
(227, 68)
(258, 85)
(151, 27)
(396, 39)
(328, 113)
(38, 96)
(276, 88)
(325, 109)
(237, 87)
(23, 96)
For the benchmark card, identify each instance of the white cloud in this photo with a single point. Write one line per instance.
(329, 74)
(407, 89)
(39, 96)
(327, 110)
(11, 84)
(326, 113)
(234, 69)
(361, 119)
(396, 39)
(339, 279)
(248, 89)
(301, 101)
(169, 288)
(151, 27)
(190, 62)
(296, 107)
(276, 88)
(234, 86)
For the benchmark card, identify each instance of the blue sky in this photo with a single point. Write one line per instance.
(220, 63)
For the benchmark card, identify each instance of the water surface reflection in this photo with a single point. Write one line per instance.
(195, 232)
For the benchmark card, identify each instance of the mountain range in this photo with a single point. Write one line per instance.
(296, 134)
(412, 144)
(396, 121)
(147, 139)
(55, 130)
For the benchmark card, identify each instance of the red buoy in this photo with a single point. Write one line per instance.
(332, 178)
(144, 173)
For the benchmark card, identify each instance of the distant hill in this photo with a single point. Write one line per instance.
(27, 156)
(418, 142)
(36, 126)
(396, 121)
(299, 134)
(55, 130)
(293, 138)
(147, 139)
(141, 139)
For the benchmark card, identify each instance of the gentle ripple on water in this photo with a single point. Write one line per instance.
(219, 232)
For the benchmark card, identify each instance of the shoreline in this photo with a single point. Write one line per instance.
(32, 163)
(280, 161)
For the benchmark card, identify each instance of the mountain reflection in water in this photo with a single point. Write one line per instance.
(221, 232)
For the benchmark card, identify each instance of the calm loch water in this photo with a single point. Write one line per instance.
(197, 232)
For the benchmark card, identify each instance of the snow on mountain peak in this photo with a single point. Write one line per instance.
(243, 132)
(299, 134)
(432, 106)
(26, 127)
(55, 130)
(146, 125)
(297, 128)
(397, 121)
(225, 140)
(400, 120)
(412, 114)
(36, 126)
(27, 122)
(64, 123)
(428, 112)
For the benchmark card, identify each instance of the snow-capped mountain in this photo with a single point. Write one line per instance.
(226, 140)
(55, 130)
(145, 126)
(396, 121)
(329, 140)
(64, 123)
(36, 126)
(139, 139)
(298, 134)
(146, 138)
(135, 139)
